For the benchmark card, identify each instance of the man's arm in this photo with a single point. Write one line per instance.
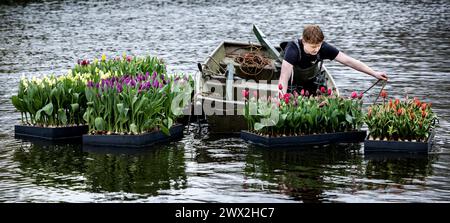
(359, 66)
(285, 75)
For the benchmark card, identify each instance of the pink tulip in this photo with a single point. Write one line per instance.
(354, 95)
(302, 92)
(245, 93)
(330, 91)
(280, 87)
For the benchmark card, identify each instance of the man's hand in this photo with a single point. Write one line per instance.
(381, 75)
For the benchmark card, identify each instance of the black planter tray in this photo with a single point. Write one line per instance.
(50, 133)
(398, 146)
(326, 138)
(133, 141)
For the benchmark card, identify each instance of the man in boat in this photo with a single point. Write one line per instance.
(304, 57)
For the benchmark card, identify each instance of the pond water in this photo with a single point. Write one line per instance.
(410, 40)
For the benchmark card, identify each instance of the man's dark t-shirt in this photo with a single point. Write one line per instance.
(327, 52)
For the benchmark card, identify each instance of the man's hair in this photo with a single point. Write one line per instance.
(312, 34)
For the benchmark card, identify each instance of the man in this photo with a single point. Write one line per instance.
(303, 58)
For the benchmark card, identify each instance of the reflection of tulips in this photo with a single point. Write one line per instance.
(401, 120)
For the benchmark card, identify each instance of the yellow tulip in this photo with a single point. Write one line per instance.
(103, 57)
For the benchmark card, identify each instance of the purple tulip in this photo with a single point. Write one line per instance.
(119, 88)
(155, 84)
(90, 84)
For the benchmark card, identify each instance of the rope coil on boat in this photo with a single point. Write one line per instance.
(252, 63)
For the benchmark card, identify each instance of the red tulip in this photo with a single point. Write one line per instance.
(360, 95)
(383, 94)
(400, 111)
(330, 91)
(322, 89)
(286, 97)
(397, 101)
(424, 106)
(354, 95)
(424, 114)
(280, 87)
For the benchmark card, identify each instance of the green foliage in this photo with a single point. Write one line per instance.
(401, 120)
(303, 115)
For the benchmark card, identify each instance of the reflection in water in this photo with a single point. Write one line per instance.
(403, 169)
(143, 173)
(51, 165)
(67, 166)
(303, 172)
(310, 174)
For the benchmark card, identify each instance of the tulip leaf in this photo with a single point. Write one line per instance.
(75, 107)
(62, 116)
(134, 128)
(48, 109)
(165, 130)
(100, 124)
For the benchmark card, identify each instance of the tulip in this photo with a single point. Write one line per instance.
(383, 94)
(424, 114)
(302, 92)
(412, 116)
(354, 95)
(397, 101)
(330, 91)
(323, 90)
(295, 94)
(103, 57)
(424, 106)
(129, 58)
(280, 87)
(360, 96)
(306, 93)
(245, 94)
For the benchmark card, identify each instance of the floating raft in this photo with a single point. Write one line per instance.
(48, 133)
(399, 146)
(317, 139)
(133, 141)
